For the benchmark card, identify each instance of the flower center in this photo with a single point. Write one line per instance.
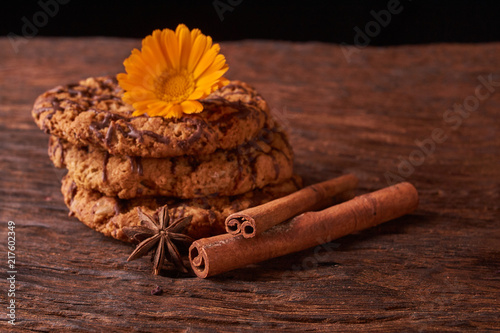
(174, 86)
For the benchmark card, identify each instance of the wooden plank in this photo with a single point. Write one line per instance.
(437, 269)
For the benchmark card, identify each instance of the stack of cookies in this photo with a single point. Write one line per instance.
(229, 157)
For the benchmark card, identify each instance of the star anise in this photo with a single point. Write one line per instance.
(158, 231)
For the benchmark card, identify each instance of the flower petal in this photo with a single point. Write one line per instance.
(197, 94)
(205, 62)
(172, 48)
(191, 107)
(175, 111)
(210, 79)
(184, 37)
(197, 52)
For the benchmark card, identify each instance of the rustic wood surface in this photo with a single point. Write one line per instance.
(435, 270)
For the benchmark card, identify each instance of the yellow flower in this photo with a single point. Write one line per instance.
(171, 72)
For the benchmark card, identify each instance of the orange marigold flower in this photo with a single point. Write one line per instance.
(171, 72)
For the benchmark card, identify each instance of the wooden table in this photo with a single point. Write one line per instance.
(386, 114)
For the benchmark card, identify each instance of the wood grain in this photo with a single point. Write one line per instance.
(435, 270)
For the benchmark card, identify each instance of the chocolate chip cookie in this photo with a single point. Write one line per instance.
(92, 113)
(109, 215)
(268, 159)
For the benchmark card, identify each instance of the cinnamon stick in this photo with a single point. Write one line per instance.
(219, 254)
(255, 220)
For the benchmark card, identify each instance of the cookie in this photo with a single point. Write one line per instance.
(93, 113)
(260, 162)
(109, 215)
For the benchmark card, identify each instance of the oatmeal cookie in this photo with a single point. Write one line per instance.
(92, 113)
(109, 215)
(260, 162)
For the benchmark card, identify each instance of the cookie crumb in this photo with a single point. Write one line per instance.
(157, 291)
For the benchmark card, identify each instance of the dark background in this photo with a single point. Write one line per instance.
(328, 21)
